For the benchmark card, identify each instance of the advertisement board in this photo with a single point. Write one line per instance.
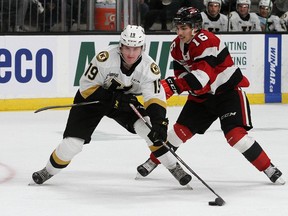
(51, 66)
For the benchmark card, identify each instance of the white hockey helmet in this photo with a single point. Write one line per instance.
(206, 2)
(266, 3)
(245, 2)
(248, 2)
(133, 36)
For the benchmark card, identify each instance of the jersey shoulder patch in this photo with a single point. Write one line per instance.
(155, 68)
(102, 56)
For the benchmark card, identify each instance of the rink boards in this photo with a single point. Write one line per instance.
(38, 71)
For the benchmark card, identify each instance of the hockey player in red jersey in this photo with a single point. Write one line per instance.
(114, 77)
(203, 67)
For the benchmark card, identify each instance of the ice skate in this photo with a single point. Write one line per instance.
(180, 175)
(41, 176)
(274, 174)
(146, 168)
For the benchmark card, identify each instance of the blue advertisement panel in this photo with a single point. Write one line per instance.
(272, 67)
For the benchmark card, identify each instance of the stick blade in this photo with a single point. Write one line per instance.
(45, 108)
(218, 202)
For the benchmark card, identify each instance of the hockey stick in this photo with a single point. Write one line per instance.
(219, 200)
(229, 11)
(228, 15)
(64, 106)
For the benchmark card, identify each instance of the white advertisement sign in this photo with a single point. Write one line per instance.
(27, 67)
(50, 66)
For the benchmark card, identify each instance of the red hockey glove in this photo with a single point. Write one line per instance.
(170, 86)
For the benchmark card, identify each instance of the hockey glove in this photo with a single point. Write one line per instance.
(121, 101)
(170, 86)
(158, 132)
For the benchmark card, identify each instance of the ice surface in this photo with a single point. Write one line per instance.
(100, 180)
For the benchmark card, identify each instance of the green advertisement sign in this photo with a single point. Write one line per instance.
(87, 52)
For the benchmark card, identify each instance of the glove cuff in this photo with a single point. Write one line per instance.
(162, 122)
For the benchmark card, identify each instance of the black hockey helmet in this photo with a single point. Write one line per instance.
(190, 16)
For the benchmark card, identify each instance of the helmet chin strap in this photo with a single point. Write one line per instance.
(194, 32)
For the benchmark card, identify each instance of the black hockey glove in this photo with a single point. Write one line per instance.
(158, 132)
(121, 101)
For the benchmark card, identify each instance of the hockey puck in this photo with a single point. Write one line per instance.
(218, 202)
(212, 203)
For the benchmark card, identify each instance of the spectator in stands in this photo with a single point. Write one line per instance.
(213, 20)
(279, 7)
(242, 19)
(228, 6)
(189, 3)
(157, 10)
(52, 15)
(78, 14)
(144, 9)
(164, 11)
(284, 19)
(20, 8)
(269, 22)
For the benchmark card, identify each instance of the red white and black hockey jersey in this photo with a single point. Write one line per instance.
(204, 66)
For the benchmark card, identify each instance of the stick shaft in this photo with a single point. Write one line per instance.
(64, 106)
(173, 152)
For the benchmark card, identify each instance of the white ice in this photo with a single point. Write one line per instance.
(100, 180)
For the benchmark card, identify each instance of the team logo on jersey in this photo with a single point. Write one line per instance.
(102, 56)
(155, 69)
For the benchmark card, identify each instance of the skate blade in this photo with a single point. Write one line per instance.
(31, 183)
(280, 181)
(138, 176)
(188, 186)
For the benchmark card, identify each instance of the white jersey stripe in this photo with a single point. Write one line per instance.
(244, 109)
